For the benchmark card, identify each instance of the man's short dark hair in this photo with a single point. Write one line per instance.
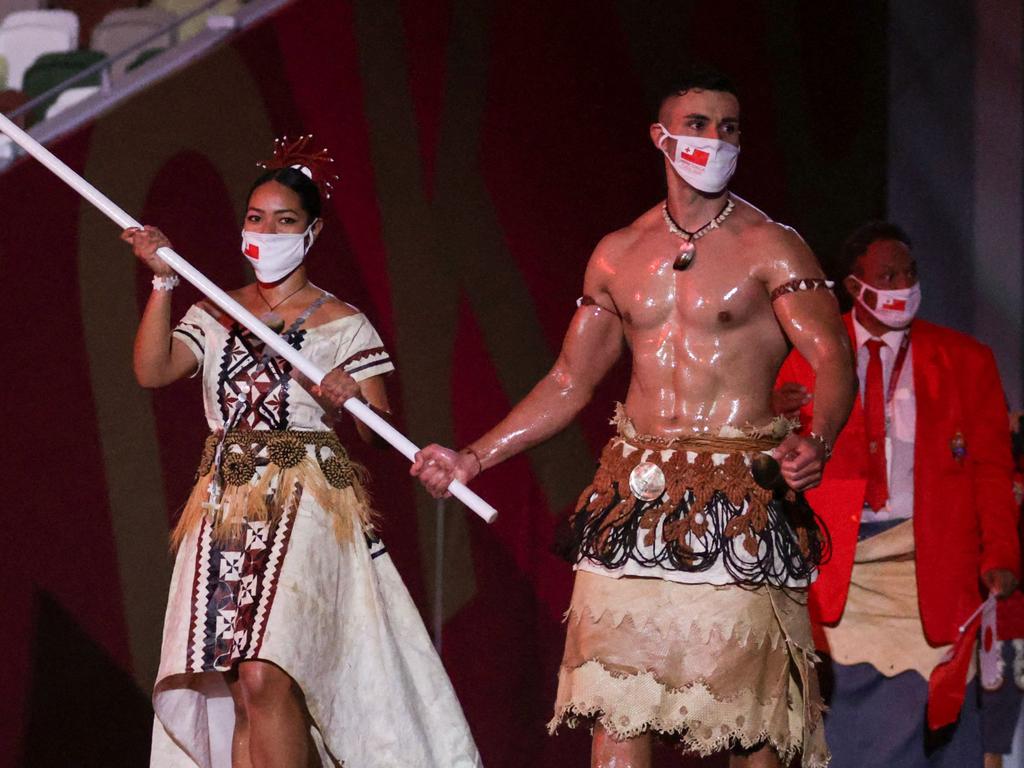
(700, 77)
(857, 244)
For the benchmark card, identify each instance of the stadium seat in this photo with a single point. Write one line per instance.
(69, 98)
(92, 12)
(52, 69)
(194, 26)
(8, 7)
(123, 28)
(51, 19)
(145, 56)
(22, 45)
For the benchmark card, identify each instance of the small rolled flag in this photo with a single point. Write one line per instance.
(948, 681)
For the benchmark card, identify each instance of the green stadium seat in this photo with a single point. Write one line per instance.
(52, 69)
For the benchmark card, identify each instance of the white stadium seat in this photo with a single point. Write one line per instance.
(55, 19)
(8, 7)
(22, 45)
(69, 98)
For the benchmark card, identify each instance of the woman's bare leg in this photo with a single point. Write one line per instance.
(609, 752)
(278, 727)
(240, 737)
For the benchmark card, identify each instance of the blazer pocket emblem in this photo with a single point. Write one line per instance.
(958, 446)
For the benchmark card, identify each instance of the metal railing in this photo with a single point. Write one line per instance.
(103, 67)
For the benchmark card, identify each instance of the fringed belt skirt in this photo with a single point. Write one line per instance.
(711, 646)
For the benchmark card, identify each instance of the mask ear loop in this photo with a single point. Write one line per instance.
(308, 238)
(664, 137)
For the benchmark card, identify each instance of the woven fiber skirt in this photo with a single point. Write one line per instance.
(712, 667)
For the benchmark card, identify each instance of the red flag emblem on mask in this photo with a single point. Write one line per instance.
(252, 251)
(695, 156)
(897, 305)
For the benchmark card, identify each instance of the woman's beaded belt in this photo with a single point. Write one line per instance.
(243, 450)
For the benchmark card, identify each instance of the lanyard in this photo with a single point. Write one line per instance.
(897, 367)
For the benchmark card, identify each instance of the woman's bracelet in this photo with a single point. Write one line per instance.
(165, 282)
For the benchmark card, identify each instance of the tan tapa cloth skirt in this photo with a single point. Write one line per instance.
(714, 667)
(881, 622)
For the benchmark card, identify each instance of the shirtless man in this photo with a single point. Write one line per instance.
(707, 292)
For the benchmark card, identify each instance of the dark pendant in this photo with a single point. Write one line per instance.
(685, 256)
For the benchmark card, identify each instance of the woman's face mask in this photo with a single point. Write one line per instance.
(274, 256)
(704, 164)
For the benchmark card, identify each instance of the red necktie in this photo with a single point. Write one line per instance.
(877, 490)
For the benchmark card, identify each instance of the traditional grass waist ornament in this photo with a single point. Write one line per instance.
(273, 341)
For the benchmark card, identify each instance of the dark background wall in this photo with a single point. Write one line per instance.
(483, 150)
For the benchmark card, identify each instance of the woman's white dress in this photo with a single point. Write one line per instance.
(306, 585)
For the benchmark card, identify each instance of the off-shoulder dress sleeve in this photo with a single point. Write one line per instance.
(361, 353)
(191, 331)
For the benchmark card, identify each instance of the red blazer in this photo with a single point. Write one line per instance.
(965, 518)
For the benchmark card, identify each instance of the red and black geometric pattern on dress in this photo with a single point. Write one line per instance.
(234, 588)
(365, 359)
(253, 389)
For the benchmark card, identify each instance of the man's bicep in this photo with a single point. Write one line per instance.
(811, 321)
(591, 347)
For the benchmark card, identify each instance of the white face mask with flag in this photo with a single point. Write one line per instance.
(895, 308)
(274, 256)
(704, 164)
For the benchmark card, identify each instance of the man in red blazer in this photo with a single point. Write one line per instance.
(918, 499)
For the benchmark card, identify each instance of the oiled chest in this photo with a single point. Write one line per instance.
(713, 294)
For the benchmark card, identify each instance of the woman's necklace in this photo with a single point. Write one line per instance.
(688, 249)
(271, 319)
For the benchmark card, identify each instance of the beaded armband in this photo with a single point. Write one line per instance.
(588, 301)
(803, 284)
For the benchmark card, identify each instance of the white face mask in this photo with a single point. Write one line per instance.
(895, 308)
(704, 164)
(274, 256)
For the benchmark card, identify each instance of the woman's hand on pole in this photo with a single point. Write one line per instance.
(145, 243)
(334, 389)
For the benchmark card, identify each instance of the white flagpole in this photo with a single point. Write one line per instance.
(354, 406)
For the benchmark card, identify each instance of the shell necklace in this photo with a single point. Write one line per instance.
(688, 248)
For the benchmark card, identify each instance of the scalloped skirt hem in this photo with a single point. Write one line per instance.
(710, 668)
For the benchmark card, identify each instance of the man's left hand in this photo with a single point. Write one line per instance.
(802, 460)
(1000, 582)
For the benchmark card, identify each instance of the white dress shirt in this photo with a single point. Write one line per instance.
(900, 418)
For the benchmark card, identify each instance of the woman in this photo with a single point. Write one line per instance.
(289, 638)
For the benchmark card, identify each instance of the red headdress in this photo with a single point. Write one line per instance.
(298, 154)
